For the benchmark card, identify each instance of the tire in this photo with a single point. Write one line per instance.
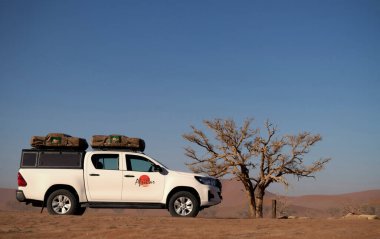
(62, 202)
(183, 204)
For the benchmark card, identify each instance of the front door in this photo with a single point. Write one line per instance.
(140, 183)
(104, 178)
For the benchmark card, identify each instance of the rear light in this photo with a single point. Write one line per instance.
(21, 181)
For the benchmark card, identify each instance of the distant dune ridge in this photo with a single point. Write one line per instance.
(234, 204)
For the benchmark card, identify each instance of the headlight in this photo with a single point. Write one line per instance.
(206, 180)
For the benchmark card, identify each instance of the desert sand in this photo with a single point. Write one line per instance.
(227, 220)
(32, 224)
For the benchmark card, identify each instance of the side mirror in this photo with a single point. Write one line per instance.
(157, 168)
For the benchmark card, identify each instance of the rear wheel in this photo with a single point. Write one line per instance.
(183, 204)
(62, 202)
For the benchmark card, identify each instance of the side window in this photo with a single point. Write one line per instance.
(29, 159)
(60, 159)
(105, 161)
(139, 164)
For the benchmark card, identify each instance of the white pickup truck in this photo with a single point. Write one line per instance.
(68, 181)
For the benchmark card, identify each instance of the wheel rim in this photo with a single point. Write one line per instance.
(61, 204)
(183, 206)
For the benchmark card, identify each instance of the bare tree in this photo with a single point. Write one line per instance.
(255, 159)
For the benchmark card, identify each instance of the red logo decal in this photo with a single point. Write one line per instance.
(144, 181)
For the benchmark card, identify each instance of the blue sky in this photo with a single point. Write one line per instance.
(151, 69)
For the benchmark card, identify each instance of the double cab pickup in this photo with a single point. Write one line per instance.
(66, 182)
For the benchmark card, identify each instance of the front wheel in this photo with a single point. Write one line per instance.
(62, 202)
(183, 204)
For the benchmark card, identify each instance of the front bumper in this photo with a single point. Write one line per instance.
(211, 196)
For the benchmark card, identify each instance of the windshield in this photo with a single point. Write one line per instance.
(160, 163)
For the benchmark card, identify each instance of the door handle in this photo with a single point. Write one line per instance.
(129, 176)
(94, 174)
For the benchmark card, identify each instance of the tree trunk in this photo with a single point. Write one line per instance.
(259, 202)
(250, 191)
(251, 202)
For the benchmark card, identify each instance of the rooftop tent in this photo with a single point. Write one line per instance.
(116, 141)
(58, 140)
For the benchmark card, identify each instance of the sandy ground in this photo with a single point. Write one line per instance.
(102, 225)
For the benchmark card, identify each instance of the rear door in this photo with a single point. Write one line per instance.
(140, 183)
(104, 177)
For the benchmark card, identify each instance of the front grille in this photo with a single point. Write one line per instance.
(210, 195)
(219, 185)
